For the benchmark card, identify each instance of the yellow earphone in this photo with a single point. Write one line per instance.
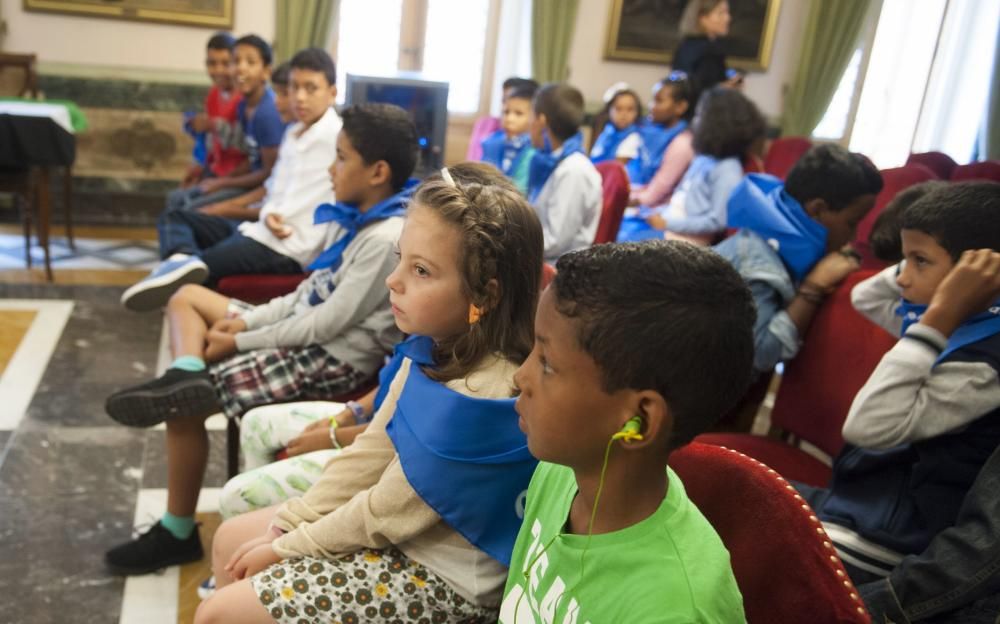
(630, 430)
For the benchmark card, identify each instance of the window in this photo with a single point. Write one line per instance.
(442, 40)
(834, 122)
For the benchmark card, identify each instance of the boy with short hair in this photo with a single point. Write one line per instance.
(654, 339)
(204, 246)
(324, 339)
(790, 247)
(563, 185)
(928, 418)
(509, 149)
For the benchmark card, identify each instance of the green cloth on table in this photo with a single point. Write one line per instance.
(76, 116)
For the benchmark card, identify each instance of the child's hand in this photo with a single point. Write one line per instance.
(191, 176)
(276, 224)
(833, 268)
(230, 326)
(215, 209)
(656, 221)
(971, 286)
(219, 345)
(315, 437)
(252, 561)
(210, 185)
(200, 123)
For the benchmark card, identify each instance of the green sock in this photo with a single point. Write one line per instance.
(179, 526)
(189, 363)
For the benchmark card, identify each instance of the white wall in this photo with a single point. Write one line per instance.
(592, 74)
(91, 41)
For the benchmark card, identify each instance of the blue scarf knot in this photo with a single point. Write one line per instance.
(607, 142)
(761, 205)
(543, 163)
(974, 329)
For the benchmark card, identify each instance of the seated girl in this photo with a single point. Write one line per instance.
(419, 515)
(665, 151)
(619, 140)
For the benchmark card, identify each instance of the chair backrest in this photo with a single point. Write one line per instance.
(940, 163)
(484, 127)
(839, 352)
(259, 288)
(893, 181)
(548, 274)
(783, 561)
(23, 64)
(784, 153)
(986, 170)
(615, 190)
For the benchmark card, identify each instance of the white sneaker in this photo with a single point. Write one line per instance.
(207, 588)
(155, 290)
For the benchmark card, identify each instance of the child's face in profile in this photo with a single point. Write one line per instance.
(536, 128)
(310, 93)
(664, 109)
(516, 116)
(219, 65)
(349, 172)
(426, 287)
(926, 264)
(567, 416)
(624, 110)
(282, 102)
(842, 225)
(250, 71)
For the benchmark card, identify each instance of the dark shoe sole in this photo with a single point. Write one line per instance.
(146, 408)
(154, 293)
(120, 570)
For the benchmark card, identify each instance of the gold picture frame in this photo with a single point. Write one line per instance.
(204, 13)
(646, 31)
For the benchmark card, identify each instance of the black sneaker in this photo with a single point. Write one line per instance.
(176, 393)
(155, 549)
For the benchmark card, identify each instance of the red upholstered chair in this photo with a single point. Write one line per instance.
(940, 163)
(615, 190)
(784, 153)
(893, 181)
(484, 127)
(548, 274)
(986, 170)
(783, 561)
(259, 288)
(840, 351)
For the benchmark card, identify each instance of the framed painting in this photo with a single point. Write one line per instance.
(648, 31)
(207, 13)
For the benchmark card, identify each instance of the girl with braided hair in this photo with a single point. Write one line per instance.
(416, 520)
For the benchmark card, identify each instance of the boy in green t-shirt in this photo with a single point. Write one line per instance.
(638, 348)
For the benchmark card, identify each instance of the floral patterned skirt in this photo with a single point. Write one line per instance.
(381, 586)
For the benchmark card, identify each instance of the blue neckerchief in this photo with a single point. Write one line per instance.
(607, 142)
(352, 220)
(506, 154)
(761, 205)
(979, 327)
(420, 349)
(466, 457)
(655, 140)
(543, 163)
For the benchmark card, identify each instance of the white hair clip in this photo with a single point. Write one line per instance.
(446, 176)
(614, 90)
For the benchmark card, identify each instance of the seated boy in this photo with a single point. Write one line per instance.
(563, 185)
(790, 245)
(199, 247)
(651, 338)
(509, 149)
(322, 340)
(928, 418)
(485, 126)
(254, 139)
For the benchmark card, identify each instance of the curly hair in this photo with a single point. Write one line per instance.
(726, 124)
(885, 239)
(501, 240)
(959, 216)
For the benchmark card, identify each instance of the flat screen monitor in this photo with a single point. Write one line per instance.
(425, 100)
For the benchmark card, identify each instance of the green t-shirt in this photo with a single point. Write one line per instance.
(671, 567)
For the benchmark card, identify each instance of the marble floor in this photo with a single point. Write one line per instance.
(72, 482)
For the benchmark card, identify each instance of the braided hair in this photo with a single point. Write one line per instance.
(502, 241)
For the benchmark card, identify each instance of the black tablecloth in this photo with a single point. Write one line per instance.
(34, 141)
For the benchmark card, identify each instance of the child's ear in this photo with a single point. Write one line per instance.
(657, 420)
(333, 92)
(815, 207)
(381, 173)
(682, 108)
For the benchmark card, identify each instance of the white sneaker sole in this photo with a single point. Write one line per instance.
(153, 293)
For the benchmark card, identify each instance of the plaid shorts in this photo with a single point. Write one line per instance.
(265, 376)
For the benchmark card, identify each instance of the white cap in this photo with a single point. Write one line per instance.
(614, 90)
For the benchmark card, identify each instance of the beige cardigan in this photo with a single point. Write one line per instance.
(363, 500)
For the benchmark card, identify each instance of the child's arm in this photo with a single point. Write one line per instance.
(268, 156)
(776, 338)
(246, 206)
(712, 218)
(877, 298)
(908, 398)
(566, 211)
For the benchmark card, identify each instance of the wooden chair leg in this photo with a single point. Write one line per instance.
(68, 205)
(26, 207)
(233, 447)
(44, 215)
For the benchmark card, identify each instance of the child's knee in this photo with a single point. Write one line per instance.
(185, 295)
(224, 544)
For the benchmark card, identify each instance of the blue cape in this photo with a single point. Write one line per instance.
(497, 148)
(544, 163)
(761, 205)
(979, 327)
(655, 140)
(466, 458)
(607, 142)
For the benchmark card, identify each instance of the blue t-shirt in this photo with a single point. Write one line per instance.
(264, 129)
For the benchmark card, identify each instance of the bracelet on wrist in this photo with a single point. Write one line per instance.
(333, 433)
